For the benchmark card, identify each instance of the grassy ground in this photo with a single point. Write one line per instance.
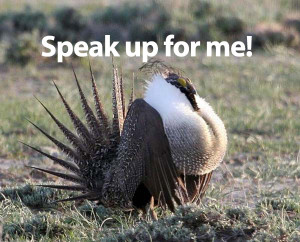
(253, 195)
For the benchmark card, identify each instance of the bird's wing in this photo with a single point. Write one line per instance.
(145, 158)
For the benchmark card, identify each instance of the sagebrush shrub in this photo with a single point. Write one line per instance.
(23, 49)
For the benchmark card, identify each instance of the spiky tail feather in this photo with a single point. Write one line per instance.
(93, 146)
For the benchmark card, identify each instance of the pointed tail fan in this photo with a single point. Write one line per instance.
(93, 146)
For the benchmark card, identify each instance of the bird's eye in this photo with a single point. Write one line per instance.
(182, 82)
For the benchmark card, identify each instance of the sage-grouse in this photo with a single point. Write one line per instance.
(163, 149)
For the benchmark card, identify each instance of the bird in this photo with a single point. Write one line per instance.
(160, 149)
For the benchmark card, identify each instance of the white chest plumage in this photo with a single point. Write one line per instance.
(190, 137)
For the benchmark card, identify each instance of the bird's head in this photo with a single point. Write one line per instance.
(184, 85)
(168, 87)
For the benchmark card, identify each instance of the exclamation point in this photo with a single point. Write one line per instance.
(249, 45)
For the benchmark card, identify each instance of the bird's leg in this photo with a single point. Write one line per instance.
(151, 207)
